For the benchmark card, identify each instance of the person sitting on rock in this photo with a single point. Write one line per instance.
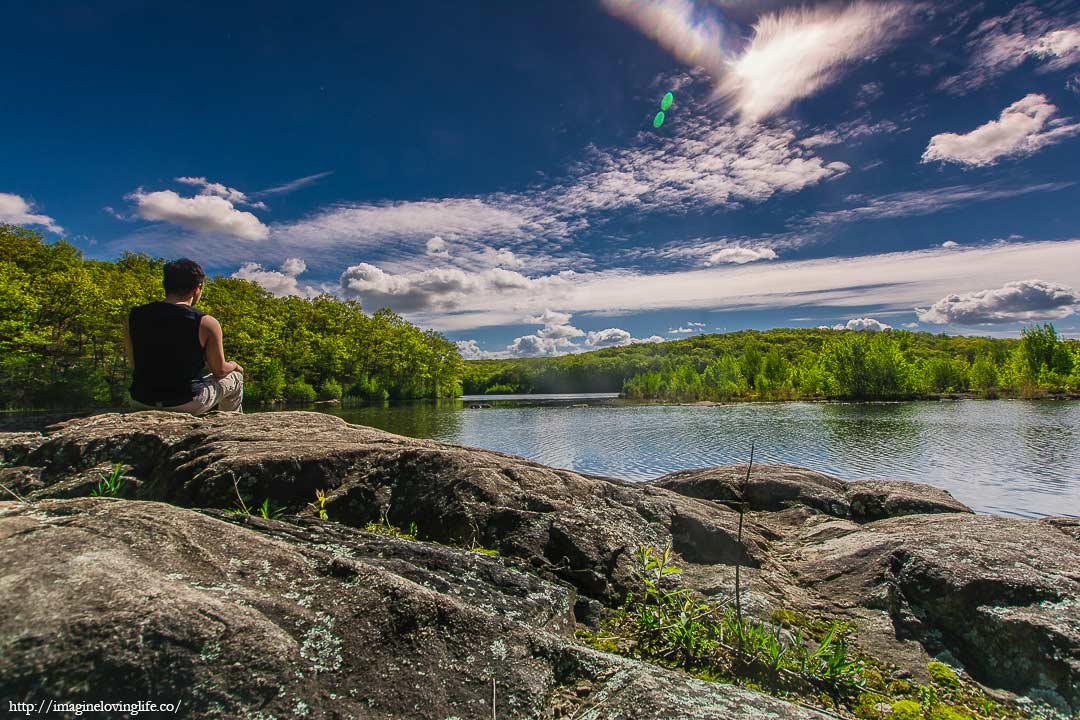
(167, 342)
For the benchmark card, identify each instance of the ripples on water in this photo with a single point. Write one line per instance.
(1007, 456)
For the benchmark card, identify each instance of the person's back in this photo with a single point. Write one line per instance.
(167, 343)
(168, 353)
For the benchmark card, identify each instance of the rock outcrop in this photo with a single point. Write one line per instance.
(254, 616)
(125, 601)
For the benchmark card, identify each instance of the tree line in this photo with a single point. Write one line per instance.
(61, 337)
(802, 363)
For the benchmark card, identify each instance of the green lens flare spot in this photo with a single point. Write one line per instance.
(666, 102)
(658, 120)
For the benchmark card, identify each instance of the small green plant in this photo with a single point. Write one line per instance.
(319, 506)
(928, 696)
(383, 527)
(672, 625)
(110, 485)
(268, 513)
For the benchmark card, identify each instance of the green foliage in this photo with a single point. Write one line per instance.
(907, 710)
(942, 674)
(799, 363)
(110, 485)
(319, 506)
(947, 712)
(499, 389)
(983, 376)
(299, 391)
(330, 390)
(61, 337)
(266, 512)
(672, 625)
(383, 527)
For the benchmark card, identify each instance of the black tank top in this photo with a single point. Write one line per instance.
(168, 356)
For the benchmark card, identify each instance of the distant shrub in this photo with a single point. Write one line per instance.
(299, 391)
(330, 390)
(500, 389)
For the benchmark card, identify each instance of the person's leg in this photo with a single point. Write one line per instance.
(202, 403)
(231, 389)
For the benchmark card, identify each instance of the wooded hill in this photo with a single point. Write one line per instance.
(61, 341)
(800, 363)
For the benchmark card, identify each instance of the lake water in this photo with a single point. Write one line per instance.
(1004, 456)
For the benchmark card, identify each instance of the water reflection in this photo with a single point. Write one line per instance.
(1009, 457)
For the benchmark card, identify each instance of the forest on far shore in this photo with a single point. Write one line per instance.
(61, 346)
(61, 337)
(787, 364)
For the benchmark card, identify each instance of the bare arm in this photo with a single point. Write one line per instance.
(210, 334)
(129, 351)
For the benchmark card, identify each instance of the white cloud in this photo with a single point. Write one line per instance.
(682, 330)
(885, 282)
(926, 202)
(436, 289)
(795, 53)
(14, 210)
(436, 247)
(470, 350)
(869, 324)
(949, 244)
(1025, 33)
(617, 337)
(535, 346)
(217, 189)
(1023, 128)
(278, 283)
(202, 213)
(791, 54)
(740, 255)
(1017, 301)
(709, 164)
(556, 338)
(296, 184)
(556, 326)
(293, 266)
(868, 93)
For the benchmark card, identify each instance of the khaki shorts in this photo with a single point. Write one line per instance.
(225, 394)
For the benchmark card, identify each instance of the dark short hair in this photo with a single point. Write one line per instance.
(182, 276)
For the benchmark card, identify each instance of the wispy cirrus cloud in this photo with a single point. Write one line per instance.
(791, 54)
(293, 185)
(926, 202)
(1026, 33)
(1023, 128)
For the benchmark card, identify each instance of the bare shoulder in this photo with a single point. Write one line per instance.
(209, 322)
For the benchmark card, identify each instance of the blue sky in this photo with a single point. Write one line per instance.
(491, 169)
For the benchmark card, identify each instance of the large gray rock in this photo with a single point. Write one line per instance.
(994, 593)
(770, 488)
(999, 594)
(107, 599)
(582, 528)
(775, 487)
